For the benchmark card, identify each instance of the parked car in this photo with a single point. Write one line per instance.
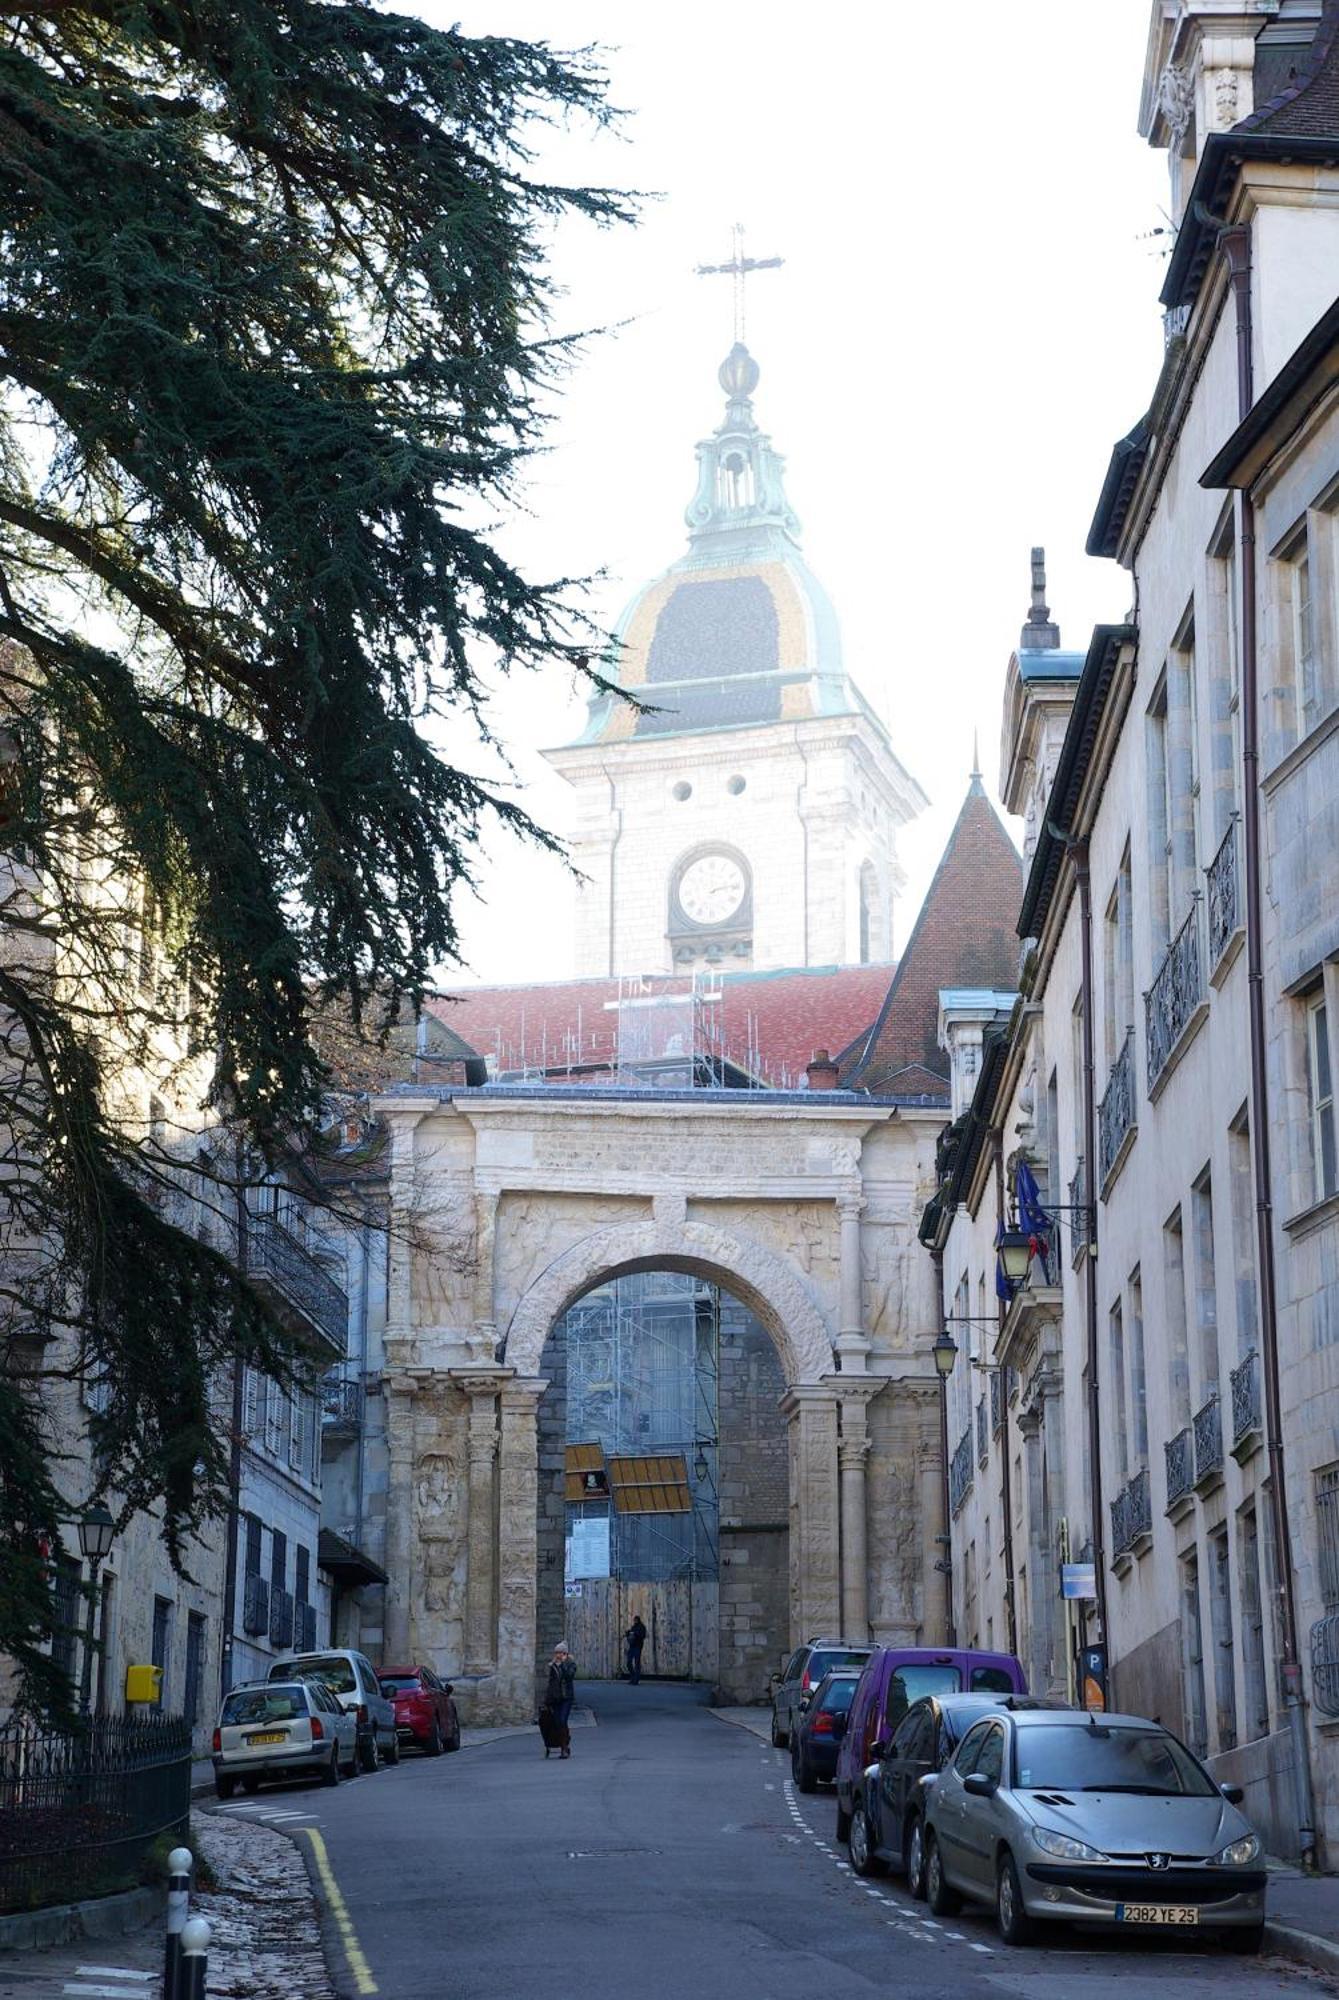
(424, 1711)
(894, 1678)
(819, 1726)
(280, 1729)
(1053, 1816)
(887, 1819)
(800, 1675)
(352, 1678)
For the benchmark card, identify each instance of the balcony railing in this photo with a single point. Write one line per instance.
(1115, 1114)
(1080, 1235)
(1131, 1514)
(996, 1402)
(960, 1470)
(1245, 1398)
(1174, 995)
(982, 1433)
(287, 1273)
(1180, 1452)
(256, 1606)
(1222, 881)
(1208, 1426)
(281, 1617)
(341, 1407)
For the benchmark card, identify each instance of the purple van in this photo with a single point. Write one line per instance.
(894, 1677)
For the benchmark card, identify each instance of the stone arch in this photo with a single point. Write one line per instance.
(759, 1278)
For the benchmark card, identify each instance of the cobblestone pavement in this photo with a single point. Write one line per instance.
(265, 1944)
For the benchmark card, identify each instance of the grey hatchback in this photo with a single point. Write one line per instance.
(800, 1675)
(1053, 1815)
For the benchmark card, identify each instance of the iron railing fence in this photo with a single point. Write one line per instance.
(341, 1407)
(1115, 1114)
(80, 1809)
(1177, 989)
(982, 1433)
(960, 1470)
(280, 1266)
(1245, 1380)
(1080, 1232)
(1180, 1452)
(1222, 880)
(1131, 1513)
(1208, 1424)
(996, 1402)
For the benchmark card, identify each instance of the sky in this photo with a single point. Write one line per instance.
(965, 322)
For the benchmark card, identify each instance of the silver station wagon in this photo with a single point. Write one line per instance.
(1051, 1815)
(282, 1729)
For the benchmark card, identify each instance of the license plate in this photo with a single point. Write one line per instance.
(1157, 1913)
(271, 1736)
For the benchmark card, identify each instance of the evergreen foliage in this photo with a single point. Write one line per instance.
(273, 309)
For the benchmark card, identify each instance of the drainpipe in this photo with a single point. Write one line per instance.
(1079, 853)
(946, 1539)
(1006, 1494)
(229, 1618)
(1236, 246)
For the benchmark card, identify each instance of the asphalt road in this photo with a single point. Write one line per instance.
(670, 1859)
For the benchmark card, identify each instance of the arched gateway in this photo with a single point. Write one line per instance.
(509, 1206)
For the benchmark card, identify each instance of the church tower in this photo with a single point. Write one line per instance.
(746, 815)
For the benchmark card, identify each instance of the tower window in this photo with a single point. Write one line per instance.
(734, 785)
(683, 790)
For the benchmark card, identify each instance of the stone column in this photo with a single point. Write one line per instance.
(852, 1345)
(1051, 1510)
(854, 1399)
(815, 1553)
(1034, 1644)
(400, 1392)
(517, 1545)
(484, 1332)
(481, 1533)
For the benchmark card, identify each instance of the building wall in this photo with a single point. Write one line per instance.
(752, 1484)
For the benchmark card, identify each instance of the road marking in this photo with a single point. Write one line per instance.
(982, 1947)
(103, 1992)
(353, 1951)
(110, 1972)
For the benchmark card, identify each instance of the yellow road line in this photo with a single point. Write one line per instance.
(348, 1937)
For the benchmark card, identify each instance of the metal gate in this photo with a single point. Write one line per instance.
(680, 1615)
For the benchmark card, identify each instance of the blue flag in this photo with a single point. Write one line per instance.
(1031, 1213)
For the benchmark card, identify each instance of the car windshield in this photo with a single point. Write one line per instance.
(908, 1684)
(399, 1684)
(837, 1697)
(1081, 1757)
(823, 1663)
(333, 1669)
(267, 1704)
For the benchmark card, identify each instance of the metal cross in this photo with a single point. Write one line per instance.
(738, 269)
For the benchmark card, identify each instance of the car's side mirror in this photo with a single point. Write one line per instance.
(979, 1785)
(1233, 1794)
(839, 1725)
(448, 1687)
(878, 1749)
(805, 1700)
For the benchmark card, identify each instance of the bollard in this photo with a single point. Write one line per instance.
(194, 1958)
(179, 1865)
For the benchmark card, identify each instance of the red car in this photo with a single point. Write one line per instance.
(424, 1711)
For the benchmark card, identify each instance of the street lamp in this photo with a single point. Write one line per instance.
(96, 1532)
(945, 1352)
(1015, 1247)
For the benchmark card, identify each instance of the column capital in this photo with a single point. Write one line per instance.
(850, 1204)
(855, 1392)
(852, 1453)
(521, 1393)
(808, 1396)
(483, 1381)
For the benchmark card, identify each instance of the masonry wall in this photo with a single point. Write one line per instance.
(753, 1481)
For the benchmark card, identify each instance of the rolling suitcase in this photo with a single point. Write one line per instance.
(550, 1729)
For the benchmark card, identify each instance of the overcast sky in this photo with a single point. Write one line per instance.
(965, 322)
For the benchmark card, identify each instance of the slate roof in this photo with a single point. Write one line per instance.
(964, 936)
(566, 1027)
(1307, 106)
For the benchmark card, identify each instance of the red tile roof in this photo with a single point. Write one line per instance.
(767, 1023)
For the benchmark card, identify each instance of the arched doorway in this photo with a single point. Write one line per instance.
(664, 1482)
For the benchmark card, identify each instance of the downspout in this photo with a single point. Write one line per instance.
(1236, 246)
(946, 1539)
(1079, 852)
(229, 1618)
(1006, 1495)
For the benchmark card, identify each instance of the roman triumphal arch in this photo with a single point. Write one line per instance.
(512, 1204)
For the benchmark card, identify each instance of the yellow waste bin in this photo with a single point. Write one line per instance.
(144, 1684)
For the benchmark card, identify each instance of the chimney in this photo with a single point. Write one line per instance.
(1040, 632)
(822, 1072)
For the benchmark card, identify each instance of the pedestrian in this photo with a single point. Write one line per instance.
(561, 1694)
(634, 1639)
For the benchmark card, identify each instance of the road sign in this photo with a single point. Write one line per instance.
(1078, 1580)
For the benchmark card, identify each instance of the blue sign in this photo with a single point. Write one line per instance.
(1078, 1580)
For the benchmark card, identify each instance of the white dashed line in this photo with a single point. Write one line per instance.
(981, 1947)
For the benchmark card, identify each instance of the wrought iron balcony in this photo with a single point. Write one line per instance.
(1115, 1114)
(996, 1402)
(341, 1407)
(1246, 1399)
(1180, 1452)
(982, 1433)
(1080, 1234)
(1131, 1515)
(1208, 1427)
(281, 1617)
(960, 1470)
(256, 1606)
(295, 1284)
(1222, 879)
(1176, 992)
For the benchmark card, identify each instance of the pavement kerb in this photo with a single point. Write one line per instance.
(67, 1923)
(1304, 1947)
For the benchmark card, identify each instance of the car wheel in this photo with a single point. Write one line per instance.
(913, 1856)
(433, 1747)
(944, 1901)
(369, 1751)
(779, 1736)
(351, 1768)
(805, 1781)
(863, 1858)
(453, 1740)
(1014, 1922)
(1245, 1943)
(392, 1752)
(224, 1787)
(843, 1822)
(251, 1786)
(330, 1775)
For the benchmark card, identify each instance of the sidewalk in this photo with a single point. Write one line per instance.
(1303, 1917)
(758, 1721)
(202, 1770)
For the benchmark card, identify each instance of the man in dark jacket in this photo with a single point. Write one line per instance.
(634, 1639)
(561, 1693)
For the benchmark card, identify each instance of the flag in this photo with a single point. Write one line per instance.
(1032, 1215)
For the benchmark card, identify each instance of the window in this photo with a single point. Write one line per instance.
(1220, 1622)
(1158, 760)
(1054, 1196)
(1255, 1690)
(274, 1417)
(1174, 1307)
(252, 1385)
(1320, 1096)
(1242, 1188)
(1206, 1285)
(161, 1648)
(1138, 1375)
(65, 1583)
(252, 1544)
(302, 1576)
(1310, 605)
(1305, 661)
(297, 1443)
(970, 1749)
(908, 1684)
(1116, 1347)
(991, 1680)
(1192, 1655)
(278, 1559)
(1118, 961)
(195, 1665)
(990, 1761)
(1224, 673)
(1327, 1535)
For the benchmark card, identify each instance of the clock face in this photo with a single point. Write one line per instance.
(711, 888)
